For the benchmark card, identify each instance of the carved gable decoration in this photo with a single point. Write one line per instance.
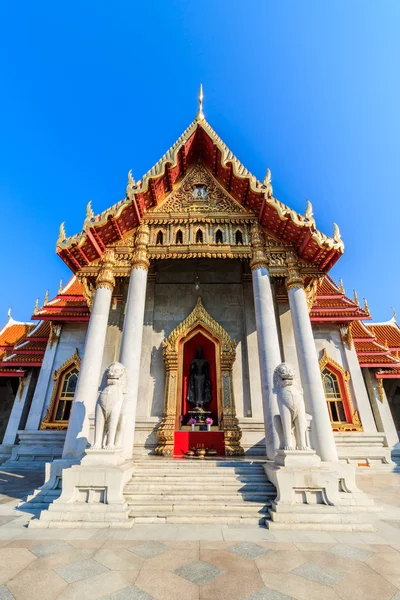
(200, 193)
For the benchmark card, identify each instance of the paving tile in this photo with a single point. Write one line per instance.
(5, 594)
(129, 593)
(366, 586)
(149, 549)
(119, 559)
(395, 597)
(268, 594)
(61, 559)
(199, 572)
(12, 561)
(352, 552)
(28, 586)
(387, 565)
(281, 561)
(298, 588)
(99, 586)
(319, 574)
(393, 523)
(248, 550)
(228, 561)
(164, 585)
(81, 570)
(50, 548)
(235, 585)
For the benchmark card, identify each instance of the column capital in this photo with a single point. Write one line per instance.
(259, 258)
(294, 279)
(139, 258)
(105, 278)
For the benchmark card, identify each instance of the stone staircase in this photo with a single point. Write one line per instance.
(199, 491)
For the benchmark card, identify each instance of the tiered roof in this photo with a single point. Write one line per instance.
(371, 351)
(13, 334)
(387, 335)
(199, 142)
(69, 305)
(331, 304)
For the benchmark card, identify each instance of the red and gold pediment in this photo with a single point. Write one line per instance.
(233, 188)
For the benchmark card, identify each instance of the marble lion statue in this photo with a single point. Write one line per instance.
(109, 420)
(291, 408)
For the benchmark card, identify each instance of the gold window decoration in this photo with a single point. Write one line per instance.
(335, 380)
(65, 380)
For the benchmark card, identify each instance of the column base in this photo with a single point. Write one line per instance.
(92, 494)
(316, 496)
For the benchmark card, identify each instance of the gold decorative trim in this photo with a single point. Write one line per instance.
(48, 423)
(105, 278)
(21, 387)
(139, 259)
(294, 279)
(199, 318)
(346, 334)
(259, 258)
(381, 391)
(355, 424)
(55, 332)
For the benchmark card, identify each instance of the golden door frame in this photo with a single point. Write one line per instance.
(225, 353)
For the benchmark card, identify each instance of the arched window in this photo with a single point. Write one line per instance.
(333, 397)
(160, 238)
(238, 238)
(199, 237)
(219, 238)
(66, 395)
(65, 380)
(179, 237)
(338, 397)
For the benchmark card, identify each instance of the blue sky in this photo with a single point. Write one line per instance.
(308, 88)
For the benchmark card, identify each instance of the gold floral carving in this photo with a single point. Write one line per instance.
(311, 291)
(355, 425)
(105, 278)
(21, 387)
(294, 279)
(48, 423)
(139, 259)
(88, 291)
(199, 192)
(199, 319)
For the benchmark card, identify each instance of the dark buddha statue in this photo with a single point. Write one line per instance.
(199, 389)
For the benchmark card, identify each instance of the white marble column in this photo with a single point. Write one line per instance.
(131, 344)
(322, 434)
(268, 341)
(90, 372)
(16, 411)
(46, 370)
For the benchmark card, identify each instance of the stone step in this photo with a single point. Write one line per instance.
(227, 519)
(209, 508)
(167, 487)
(200, 472)
(195, 497)
(276, 526)
(199, 463)
(200, 479)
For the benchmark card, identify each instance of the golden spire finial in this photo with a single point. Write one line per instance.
(336, 233)
(200, 114)
(9, 314)
(309, 212)
(60, 287)
(36, 309)
(356, 298)
(366, 307)
(341, 286)
(46, 298)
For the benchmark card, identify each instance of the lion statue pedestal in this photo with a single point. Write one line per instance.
(309, 492)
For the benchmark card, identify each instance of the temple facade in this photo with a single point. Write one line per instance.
(199, 254)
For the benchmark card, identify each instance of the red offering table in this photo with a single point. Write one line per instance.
(184, 440)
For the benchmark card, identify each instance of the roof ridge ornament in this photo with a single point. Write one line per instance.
(89, 213)
(356, 298)
(131, 185)
(9, 314)
(336, 233)
(62, 236)
(341, 286)
(394, 314)
(200, 114)
(36, 309)
(46, 298)
(267, 183)
(366, 307)
(60, 287)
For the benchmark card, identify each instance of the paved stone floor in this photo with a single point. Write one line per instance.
(170, 562)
